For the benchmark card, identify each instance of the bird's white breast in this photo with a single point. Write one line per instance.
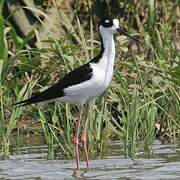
(87, 90)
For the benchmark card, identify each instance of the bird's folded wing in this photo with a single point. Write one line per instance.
(81, 74)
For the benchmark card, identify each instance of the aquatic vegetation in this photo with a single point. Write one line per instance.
(141, 104)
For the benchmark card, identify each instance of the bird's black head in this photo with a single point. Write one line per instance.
(108, 24)
(106, 21)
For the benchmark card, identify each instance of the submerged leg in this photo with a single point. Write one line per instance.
(75, 140)
(83, 137)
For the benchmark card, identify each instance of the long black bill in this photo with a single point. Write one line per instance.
(125, 33)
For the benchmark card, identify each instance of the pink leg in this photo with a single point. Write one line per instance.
(75, 140)
(83, 138)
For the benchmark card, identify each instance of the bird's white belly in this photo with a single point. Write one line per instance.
(81, 93)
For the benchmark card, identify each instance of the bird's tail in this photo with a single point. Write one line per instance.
(31, 100)
(49, 94)
(39, 97)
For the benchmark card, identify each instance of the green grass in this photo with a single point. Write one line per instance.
(144, 92)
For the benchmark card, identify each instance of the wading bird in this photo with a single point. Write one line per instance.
(86, 82)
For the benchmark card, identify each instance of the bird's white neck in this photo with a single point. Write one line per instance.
(104, 67)
(107, 50)
(103, 64)
(108, 45)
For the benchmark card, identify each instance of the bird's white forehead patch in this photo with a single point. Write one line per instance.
(116, 22)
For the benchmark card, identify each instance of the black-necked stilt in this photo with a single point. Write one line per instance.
(86, 82)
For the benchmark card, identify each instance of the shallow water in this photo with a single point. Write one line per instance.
(33, 164)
